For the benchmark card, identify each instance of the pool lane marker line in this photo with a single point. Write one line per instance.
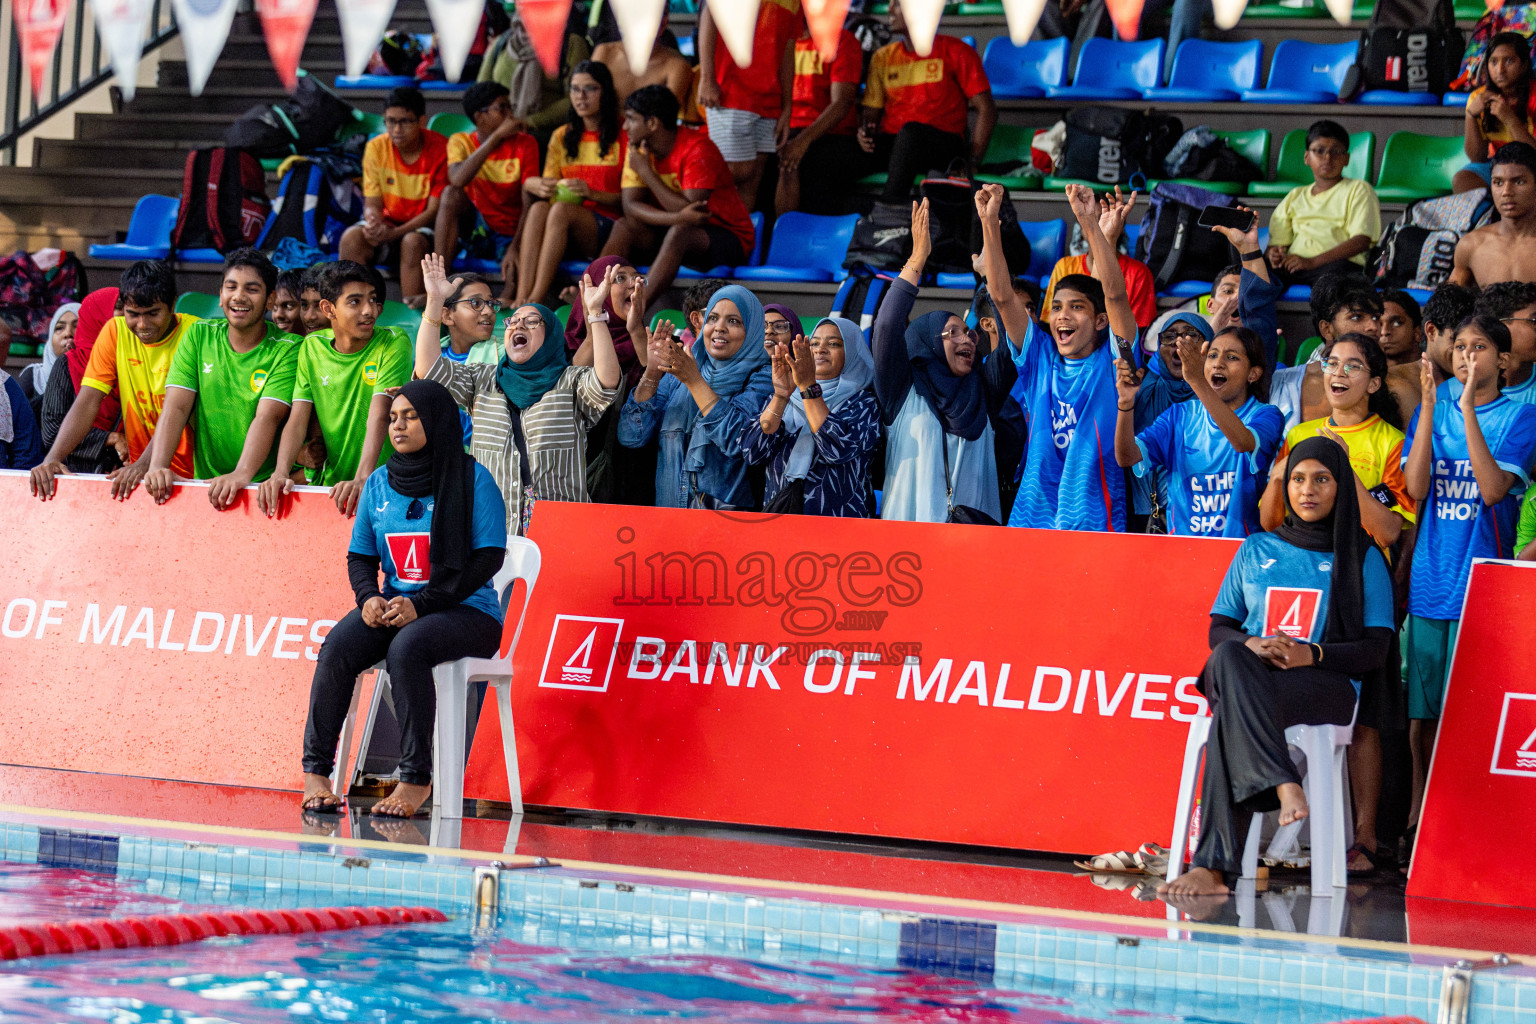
(47, 938)
(875, 898)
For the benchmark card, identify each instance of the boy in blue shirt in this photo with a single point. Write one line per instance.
(1466, 462)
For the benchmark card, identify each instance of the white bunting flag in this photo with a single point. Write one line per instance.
(204, 26)
(736, 21)
(455, 22)
(363, 24)
(1229, 12)
(121, 24)
(1341, 10)
(639, 20)
(1023, 16)
(922, 23)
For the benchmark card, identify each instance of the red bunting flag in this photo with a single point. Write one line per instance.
(38, 25)
(825, 18)
(545, 21)
(1126, 15)
(286, 23)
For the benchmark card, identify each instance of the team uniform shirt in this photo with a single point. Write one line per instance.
(342, 388)
(496, 191)
(932, 90)
(1312, 224)
(1276, 588)
(1501, 133)
(757, 88)
(1450, 390)
(1213, 489)
(603, 172)
(404, 546)
(815, 77)
(229, 385)
(1525, 529)
(1139, 284)
(123, 365)
(1455, 526)
(1070, 479)
(1375, 454)
(695, 162)
(406, 188)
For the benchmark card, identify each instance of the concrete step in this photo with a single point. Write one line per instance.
(110, 155)
(94, 218)
(190, 129)
(257, 72)
(232, 102)
(43, 184)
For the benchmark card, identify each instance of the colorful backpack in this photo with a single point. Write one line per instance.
(1509, 18)
(1419, 250)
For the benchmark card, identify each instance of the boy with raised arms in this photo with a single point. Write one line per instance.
(130, 360)
(345, 373)
(232, 381)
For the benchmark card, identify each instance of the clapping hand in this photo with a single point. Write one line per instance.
(804, 363)
(783, 369)
(595, 296)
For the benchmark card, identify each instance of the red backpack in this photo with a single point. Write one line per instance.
(223, 200)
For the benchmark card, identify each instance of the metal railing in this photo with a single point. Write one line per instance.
(80, 64)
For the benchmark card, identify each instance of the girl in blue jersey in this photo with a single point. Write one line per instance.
(1216, 451)
(434, 520)
(1302, 613)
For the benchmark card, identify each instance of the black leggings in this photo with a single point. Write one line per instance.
(1252, 705)
(410, 653)
(916, 149)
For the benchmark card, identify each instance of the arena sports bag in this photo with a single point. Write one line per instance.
(1172, 244)
(1408, 46)
(882, 238)
(223, 200)
(1111, 145)
(1419, 249)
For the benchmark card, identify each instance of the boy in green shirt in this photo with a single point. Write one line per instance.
(345, 373)
(233, 379)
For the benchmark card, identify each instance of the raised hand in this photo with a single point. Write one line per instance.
(434, 275)
(1242, 241)
(1084, 207)
(1192, 358)
(922, 239)
(989, 202)
(1112, 213)
(595, 296)
(1127, 384)
(635, 318)
(1428, 389)
(659, 348)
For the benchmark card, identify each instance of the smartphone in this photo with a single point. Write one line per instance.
(1227, 217)
(1126, 352)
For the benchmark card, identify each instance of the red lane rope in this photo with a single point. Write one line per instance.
(53, 938)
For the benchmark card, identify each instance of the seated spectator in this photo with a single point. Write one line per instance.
(311, 316)
(625, 316)
(699, 400)
(1220, 307)
(780, 325)
(469, 321)
(1467, 463)
(1264, 676)
(232, 383)
(1500, 111)
(540, 103)
(1447, 307)
(1512, 303)
(530, 411)
(1506, 249)
(1402, 328)
(129, 362)
(415, 621)
(404, 173)
(1138, 277)
(915, 108)
(695, 301)
(823, 126)
(61, 338)
(487, 172)
(343, 379)
(679, 198)
(20, 445)
(104, 448)
(819, 430)
(287, 301)
(665, 67)
(1331, 221)
(574, 204)
(748, 108)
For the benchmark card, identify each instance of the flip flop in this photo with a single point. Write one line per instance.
(1152, 858)
(1118, 863)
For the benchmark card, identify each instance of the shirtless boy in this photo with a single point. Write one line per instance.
(1506, 249)
(666, 67)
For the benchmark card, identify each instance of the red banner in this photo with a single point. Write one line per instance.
(38, 26)
(1481, 796)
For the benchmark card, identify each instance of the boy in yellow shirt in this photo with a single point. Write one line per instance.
(1322, 227)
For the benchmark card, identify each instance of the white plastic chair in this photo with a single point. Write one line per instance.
(1326, 799)
(453, 679)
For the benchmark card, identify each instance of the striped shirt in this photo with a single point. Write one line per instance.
(555, 430)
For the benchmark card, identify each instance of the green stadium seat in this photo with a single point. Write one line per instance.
(398, 314)
(563, 314)
(672, 316)
(1008, 149)
(1291, 168)
(450, 123)
(1417, 166)
(200, 305)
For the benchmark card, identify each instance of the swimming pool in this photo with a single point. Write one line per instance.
(582, 944)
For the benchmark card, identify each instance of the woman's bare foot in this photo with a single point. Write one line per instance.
(318, 795)
(405, 801)
(1293, 802)
(400, 830)
(1195, 882)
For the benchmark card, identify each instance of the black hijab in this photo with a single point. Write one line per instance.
(440, 469)
(960, 403)
(1339, 532)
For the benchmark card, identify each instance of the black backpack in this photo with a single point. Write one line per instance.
(223, 200)
(303, 123)
(951, 215)
(1110, 145)
(1172, 244)
(1408, 46)
(882, 238)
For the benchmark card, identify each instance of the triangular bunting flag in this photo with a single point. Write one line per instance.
(638, 21)
(922, 23)
(204, 26)
(545, 21)
(1229, 12)
(825, 17)
(1023, 16)
(121, 25)
(1126, 16)
(1341, 10)
(38, 25)
(286, 23)
(363, 24)
(455, 22)
(736, 21)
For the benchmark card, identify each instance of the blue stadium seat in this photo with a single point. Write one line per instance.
(1047, 244)
(946, 280)
(1297, 293)
(1305, 73)
(1208, 72)
(149, 232)
(805, 247)
(689, 274)
(1391, 98)
(441, 86)
(1025, 72)
(1455, 99)
(373, 81)
(1187, 289)
(199, 256)
(1117, 70)
(475, 265)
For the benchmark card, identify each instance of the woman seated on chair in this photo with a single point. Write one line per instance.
(434, 520)
(1303, 612)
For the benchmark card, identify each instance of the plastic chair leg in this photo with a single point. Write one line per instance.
(1343, 817)
(1320, 784)
(341, 780)
(1251, 847)
(503, 689)
(1178, 845)
(448, 750)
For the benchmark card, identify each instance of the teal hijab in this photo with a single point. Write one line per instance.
(525, 383)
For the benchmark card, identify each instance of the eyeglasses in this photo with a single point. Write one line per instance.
(400, 122)
(585, 90)
(1325, 152)
(954, 333)
(778, 326)
(1517, 320)
(1343, 369)
(624, 277)
(526, 323)
(477, 303)
(1174, 337)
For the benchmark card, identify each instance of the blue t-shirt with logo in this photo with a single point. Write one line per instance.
(1274, 587)
(464, 421)
(1070, 479)
(1455, 526)
(1450, 390)
(1213, 489)
(385, 530)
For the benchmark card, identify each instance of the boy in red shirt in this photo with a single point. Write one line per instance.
(748, 107)
(915, 107)
(823, 122)
(483, 200)
(404, 173)
(676, 187)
